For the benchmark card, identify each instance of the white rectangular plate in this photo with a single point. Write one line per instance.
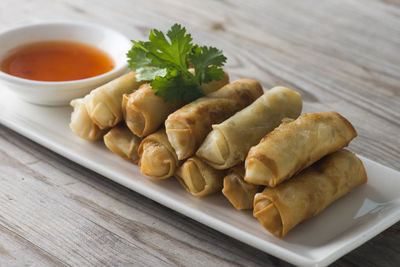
(343, 226)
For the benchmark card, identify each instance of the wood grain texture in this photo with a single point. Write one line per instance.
(340, 55)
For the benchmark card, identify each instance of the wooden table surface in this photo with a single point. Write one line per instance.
(340, 55)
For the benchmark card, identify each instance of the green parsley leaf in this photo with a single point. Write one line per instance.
(164, 61)
(168, 86)
(175, 84)
(137, 56)
(174, 53)
(205, 61)
(149, 73)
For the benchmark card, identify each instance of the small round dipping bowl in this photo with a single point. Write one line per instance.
(60, 93)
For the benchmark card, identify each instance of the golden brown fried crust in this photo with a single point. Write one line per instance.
(309, 192)
(271, 164)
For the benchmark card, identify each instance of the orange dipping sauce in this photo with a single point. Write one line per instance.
(57, 61)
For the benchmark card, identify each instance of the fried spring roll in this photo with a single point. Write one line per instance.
(188, 126)
(296, 145)
(81, 124)
(198, 178)
(144, 111)
(237, 190)
(104, 104)
(281, 208)
(157, 157)
(229, 142)
(123, 142)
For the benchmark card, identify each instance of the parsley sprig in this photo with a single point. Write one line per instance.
(165, 62)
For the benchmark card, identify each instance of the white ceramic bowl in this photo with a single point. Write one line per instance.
(60, 93)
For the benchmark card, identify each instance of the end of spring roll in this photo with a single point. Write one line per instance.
(145, 111)
(229, 142)
(198, 178)
(188, 126)
(295, 145)
(121, 141)
(157, 157)
(281, 208)
(239, 193)
(104, 104)
(81, 124)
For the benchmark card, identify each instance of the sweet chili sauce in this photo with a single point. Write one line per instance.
(56, 61)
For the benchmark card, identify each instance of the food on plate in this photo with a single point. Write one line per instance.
(295, 145)
(157, 157)
(198, 178)
(81, 124)
(144, 111)
(281, 208)
(104, 104)
(165, 63)
(237, 190)
(123, 142)
(188, 126)
(221, 136)
(229, 142)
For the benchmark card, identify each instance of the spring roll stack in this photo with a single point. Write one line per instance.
(303, 169)
(229, 141)
(146, 112)
(187, 127)
(253, 147)
(128, 114)
(306, 194)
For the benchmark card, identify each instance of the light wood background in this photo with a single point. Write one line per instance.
(342, 55)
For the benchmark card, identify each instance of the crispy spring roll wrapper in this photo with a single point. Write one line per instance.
(81, 124)
(281, 208)
(237, 190)
(145, 111)
(123, 142)
(296, 145)
(188, 126)
(199, 178)
(157, 157)
(104, 103)
(229, 142)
